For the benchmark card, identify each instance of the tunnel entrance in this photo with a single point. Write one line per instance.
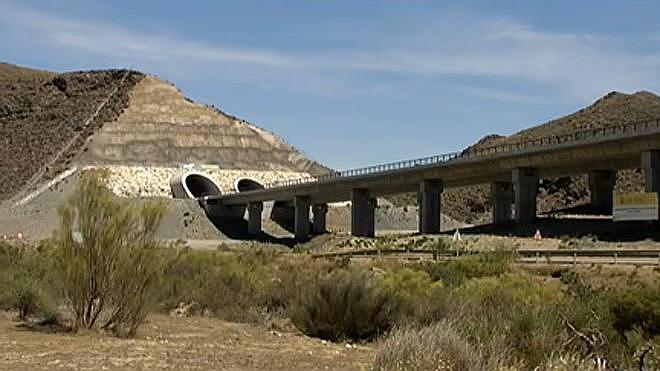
(247, 184)
(200, 186)
(193, 185)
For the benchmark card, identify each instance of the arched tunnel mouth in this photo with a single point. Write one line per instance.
(200, 186)
(247, 184)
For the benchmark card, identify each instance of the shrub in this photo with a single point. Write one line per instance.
(228, 286)
(343, 304)
(572, 362)
(436, 347)
(28, 298)
(408, 288)
(636, 307)
(110, 267)
(26, 281)
(516, 309)
(455, 272)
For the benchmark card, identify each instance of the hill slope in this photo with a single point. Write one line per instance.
(50, 122)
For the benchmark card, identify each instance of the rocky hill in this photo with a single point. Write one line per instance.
(51, 122)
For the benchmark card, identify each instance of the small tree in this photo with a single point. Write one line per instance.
(107, 258)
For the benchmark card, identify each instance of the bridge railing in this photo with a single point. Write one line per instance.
(478, 151)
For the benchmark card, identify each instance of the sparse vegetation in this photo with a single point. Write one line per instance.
(476, 312)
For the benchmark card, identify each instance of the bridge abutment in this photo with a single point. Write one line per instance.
(301, 218)
(254, 217)
(362, 213)
(319, 212)
(501, 198)
(601, 187)
(526, 185)
(429, 202)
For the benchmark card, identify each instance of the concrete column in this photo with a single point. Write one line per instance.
(301, 218)
(254, 217)
(526, 186)
(501, 197)
(651, 167)
(429, 203)
(362, 213)
(319, 211)
(601, 187)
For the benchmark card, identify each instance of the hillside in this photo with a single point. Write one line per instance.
(45, 118)
(50, 122)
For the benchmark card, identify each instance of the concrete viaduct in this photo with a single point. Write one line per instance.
(512, 170)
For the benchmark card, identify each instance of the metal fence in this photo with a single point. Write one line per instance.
(474, 151)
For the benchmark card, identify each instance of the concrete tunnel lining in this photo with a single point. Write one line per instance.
(247, 184)
(193, 185)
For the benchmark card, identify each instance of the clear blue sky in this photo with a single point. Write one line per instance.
(353, 83)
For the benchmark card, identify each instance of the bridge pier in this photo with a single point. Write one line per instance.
(651, 167)
(501, 198)
(362, 213)
(526, 186)
(601, 187)
(319, 213)
(429, 202)
(254, 217)
(301, 218)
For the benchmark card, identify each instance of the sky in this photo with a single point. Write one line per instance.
(356, 83)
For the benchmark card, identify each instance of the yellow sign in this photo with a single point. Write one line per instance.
(635, 206)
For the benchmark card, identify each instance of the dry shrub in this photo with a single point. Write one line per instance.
(573, 362)
(343, 304)
(436, 347)
(107, 258)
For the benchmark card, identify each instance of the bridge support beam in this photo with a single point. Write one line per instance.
(501, 198)
(319, 212)
(526, 185)
(254, 217)
(601, 187)
(301, 218)
(429, 202)
(362, 213)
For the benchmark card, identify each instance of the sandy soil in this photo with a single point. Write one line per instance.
(166, 342)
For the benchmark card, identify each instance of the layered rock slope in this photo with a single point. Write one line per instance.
(160, 127)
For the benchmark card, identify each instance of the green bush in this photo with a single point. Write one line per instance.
(636, 307)
(343, 304)
(230, 286)
(408, 288)
(26, 281)
(107, 258)
(455, 272)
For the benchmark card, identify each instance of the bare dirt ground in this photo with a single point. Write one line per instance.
(165, 342)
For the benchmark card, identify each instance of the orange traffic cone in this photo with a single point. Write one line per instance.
(537, 235)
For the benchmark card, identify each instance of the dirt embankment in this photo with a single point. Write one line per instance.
(46, 118)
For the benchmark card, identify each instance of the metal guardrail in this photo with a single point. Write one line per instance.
(471, 152)
(536, 254)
